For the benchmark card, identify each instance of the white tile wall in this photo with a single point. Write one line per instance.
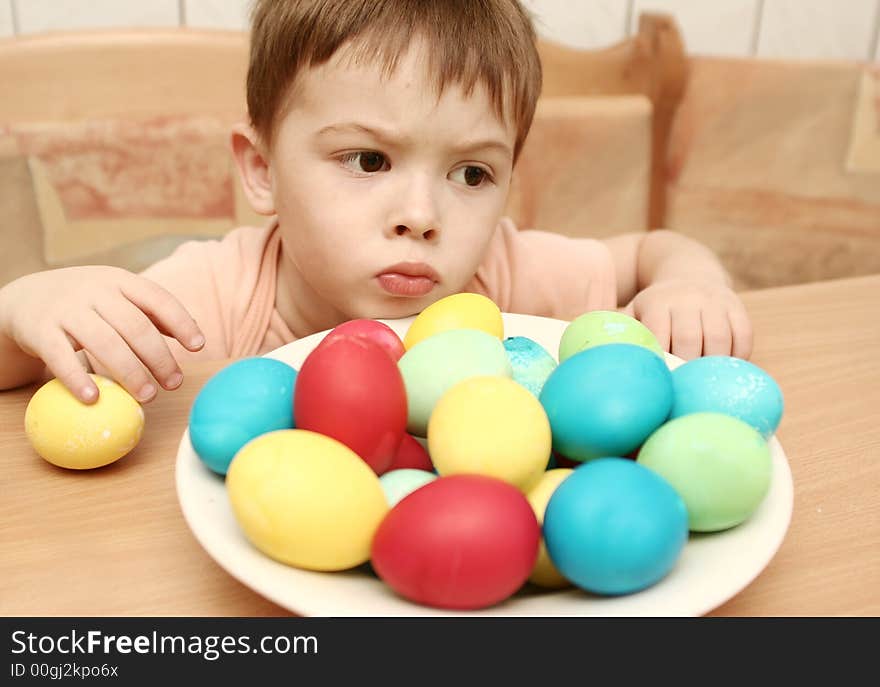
(580, 24)
(785, 28)
(719, 27)
(6, 27)
(817, 29)
(50, 15)
(217, 14)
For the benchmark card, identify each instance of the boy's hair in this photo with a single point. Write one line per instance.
(469, 42)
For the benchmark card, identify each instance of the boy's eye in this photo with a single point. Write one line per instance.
(470, 175)
(366, 161)
(473, 176)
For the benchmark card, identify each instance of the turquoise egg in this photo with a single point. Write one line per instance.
(436, 364)
(398, 484)
(530, 361)
(606, 400)
(614, 527)
(723, 384)
(245, 399)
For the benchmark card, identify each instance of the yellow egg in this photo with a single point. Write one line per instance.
(71, 434)
(545, 574)
(492, 426)
(459, 311)
(306, 499)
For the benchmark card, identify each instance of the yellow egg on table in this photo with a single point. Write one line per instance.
(545, 574)
(306, 499)
(459, 311)
(490, 425)
(71, 434)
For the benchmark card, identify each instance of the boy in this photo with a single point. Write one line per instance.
(381, 141)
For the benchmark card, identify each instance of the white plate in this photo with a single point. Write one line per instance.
(711, 569)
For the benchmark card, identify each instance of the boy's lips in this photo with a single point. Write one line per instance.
(413, 279)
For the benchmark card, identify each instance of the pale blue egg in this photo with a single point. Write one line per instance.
(606, 400)
(245, 399)
(735, 387)
(614, 526)
(530, 361)
(398, 484)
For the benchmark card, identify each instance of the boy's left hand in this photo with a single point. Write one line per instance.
(693, 318)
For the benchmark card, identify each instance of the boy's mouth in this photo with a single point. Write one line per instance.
(412, 279)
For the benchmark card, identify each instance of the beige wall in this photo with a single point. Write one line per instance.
(732, 28)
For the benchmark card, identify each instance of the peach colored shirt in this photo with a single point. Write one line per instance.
(228, 285)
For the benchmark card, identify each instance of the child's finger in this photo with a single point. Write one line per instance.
(64, 363)
(165, 311)
(658, 321)
(687, 333)
(143, 339)
(113, 353)
(741, 333)
(716, 333)
(601, 294)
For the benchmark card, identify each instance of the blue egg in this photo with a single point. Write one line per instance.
(248, 398)
(532, 364)
(615, 527)
(723, 384)
(606, 400)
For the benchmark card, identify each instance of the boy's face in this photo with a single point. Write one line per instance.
(386, 197)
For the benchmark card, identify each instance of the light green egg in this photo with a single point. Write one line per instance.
(599, 327)
(398, 484)
(439, 362)
(719, 465)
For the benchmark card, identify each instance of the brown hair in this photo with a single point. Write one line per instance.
(491, 42)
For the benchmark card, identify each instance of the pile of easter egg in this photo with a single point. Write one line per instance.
(463, 465)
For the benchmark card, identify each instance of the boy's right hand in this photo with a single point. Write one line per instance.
(116, 316)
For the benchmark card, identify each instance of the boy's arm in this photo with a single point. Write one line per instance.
(642, 258)
(679, 289)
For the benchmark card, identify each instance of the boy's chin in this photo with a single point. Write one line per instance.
(392, 308)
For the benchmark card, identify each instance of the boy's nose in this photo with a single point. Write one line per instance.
(427, 233)
(415, 212)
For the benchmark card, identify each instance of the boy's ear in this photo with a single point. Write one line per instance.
(253, 168)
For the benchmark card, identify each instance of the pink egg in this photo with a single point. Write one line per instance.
(463, 541)
(375, 331)
(411, 454)
(351, 390)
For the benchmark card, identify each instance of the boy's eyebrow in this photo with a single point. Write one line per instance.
(354, 127)
(389, 138)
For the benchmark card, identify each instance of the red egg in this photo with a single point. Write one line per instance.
(463, 542)
(375, 331)
(411, 454)
(350, 389)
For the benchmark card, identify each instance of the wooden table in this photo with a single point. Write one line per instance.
(114, 542)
